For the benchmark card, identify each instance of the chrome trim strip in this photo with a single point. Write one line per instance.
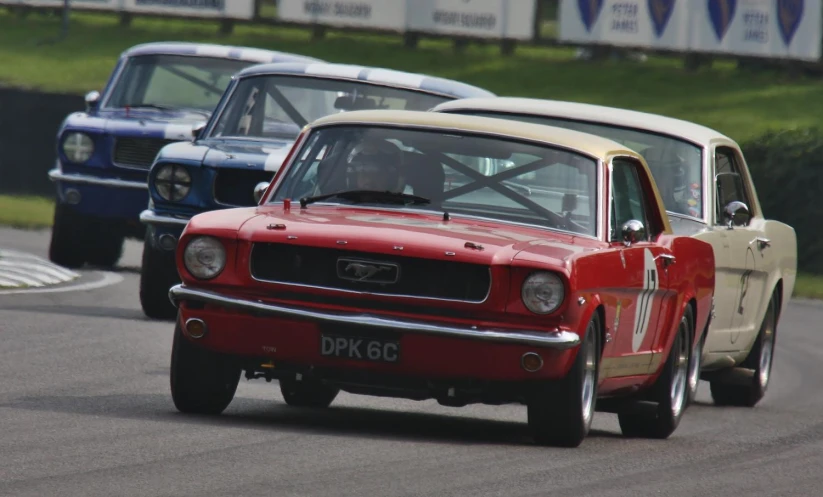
(149, 217)
(57, 175)
(560, 340)
(355, 292)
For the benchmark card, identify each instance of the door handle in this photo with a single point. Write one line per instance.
(761, 242)
(668, 259)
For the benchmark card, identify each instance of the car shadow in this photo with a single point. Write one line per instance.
(81, 311)
(338, 421)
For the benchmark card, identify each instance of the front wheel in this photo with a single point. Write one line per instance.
(202, 381)
(560, 413)
(670, 391)
(69, 234)
(307, 393)
(158, 273)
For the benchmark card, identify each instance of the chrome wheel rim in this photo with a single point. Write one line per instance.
(681, 368)
(766, 352)
(589, 375)
(694, 368)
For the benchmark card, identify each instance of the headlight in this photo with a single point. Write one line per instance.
(542, 292)
(78, 147)
(173, 182)
(204, 257)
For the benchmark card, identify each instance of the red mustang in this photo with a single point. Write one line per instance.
(457, 258)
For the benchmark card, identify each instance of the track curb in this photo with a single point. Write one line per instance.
(22, 270)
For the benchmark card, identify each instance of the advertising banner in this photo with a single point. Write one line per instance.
(78, 4)
(767, 28)
(475, 18)
(662, 24)
(377, 14)
(233, 9)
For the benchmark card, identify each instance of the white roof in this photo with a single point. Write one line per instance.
(588, 112)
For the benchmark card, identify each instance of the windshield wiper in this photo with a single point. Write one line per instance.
(369, 195)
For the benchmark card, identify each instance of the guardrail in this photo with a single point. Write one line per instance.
(784, 30)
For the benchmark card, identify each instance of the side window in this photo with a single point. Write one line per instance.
(729, 182)
(628, 201)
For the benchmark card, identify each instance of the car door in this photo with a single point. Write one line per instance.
(639, 302)
(745, 278)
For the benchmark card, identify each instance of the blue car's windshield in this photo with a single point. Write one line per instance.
(173, 81)
(278, 106)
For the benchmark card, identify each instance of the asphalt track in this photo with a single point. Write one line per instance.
(85, 410)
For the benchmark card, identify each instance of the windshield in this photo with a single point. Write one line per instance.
(176, 81)
(476, 175)
(676, 165)
(279, 106)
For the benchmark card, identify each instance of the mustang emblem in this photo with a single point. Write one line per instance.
(372, 272)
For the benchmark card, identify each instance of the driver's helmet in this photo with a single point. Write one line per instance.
(375, 165)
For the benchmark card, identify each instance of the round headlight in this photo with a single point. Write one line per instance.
(78, 147)
(542, 292)
(173, 182)
(204, 257)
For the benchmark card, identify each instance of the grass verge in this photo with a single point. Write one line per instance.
(26, 212)
(738, 102)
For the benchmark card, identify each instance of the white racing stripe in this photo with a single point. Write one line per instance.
(275, 159)
(339, 70)
(177, 131)
(395, 77)
(214, 51)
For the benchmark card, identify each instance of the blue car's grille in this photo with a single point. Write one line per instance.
(235, 187)
(137, 152)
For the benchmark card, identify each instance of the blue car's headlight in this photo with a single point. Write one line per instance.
(173, 182)
(78, 147)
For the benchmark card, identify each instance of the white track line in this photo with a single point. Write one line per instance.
(108, 279)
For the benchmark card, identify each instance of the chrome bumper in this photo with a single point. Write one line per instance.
(82, 179)
(149, 217)
(546, 339)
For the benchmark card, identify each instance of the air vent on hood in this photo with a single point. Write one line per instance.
(390, 275)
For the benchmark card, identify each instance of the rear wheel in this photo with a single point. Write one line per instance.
(202, 381)
(695, 364)
(670, 392)
(307, 393)
(750, 390)
(560, 413)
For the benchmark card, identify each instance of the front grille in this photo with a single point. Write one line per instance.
(236, 186)
(137, 152)
(407, 276)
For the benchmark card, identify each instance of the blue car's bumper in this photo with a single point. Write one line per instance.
(110, 198)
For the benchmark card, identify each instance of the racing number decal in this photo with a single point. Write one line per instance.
(645, 302)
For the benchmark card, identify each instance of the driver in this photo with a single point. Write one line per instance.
(375, 165)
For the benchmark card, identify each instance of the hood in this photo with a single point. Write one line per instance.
(168, 125)
(265, 155)
(419, 235)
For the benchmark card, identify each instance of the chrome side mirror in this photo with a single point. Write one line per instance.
(736, 213)
(632, 231)
(196, 129)
(259, 190)
(92, 98)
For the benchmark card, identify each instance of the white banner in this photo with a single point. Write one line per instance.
(475, 18)
(234, 9)
(378, 14)
(80, 4)
(637, 23)
(768, 28)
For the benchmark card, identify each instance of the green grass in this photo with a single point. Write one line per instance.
(26, 212)
(740, 103)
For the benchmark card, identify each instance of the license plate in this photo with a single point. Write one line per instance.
(365, 349)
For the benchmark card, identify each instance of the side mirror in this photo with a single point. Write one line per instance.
(736, 213)
(259, 190)
(196, 129)
(632, 232)
(92, 98)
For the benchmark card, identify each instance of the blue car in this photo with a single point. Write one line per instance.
(156, 95)
(237, 153)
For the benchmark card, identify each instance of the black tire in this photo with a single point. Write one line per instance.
(669, 392)
(106, 243)
(69, 235)
(158, 273)
(759, 360)
(201, 381)
(307, 393)
(560, 413)
(695, 364)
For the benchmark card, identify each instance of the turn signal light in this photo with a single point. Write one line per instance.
(195, 328)
(531, 362)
